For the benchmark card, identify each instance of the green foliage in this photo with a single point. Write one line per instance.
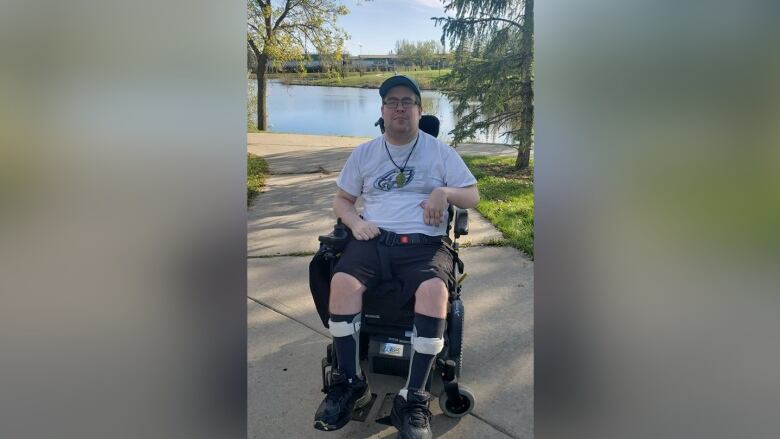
(251, 105)
(419, 53)
(491, 82)
(279, 32)
(256, 171)
(506, 199)
(425, 79)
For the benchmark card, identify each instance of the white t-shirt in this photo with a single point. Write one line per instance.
(370, 173)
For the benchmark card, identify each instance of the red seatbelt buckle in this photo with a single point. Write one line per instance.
(404, 239)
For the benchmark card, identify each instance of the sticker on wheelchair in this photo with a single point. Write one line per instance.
(393, 349)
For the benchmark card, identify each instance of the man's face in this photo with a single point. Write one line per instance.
(401, 111)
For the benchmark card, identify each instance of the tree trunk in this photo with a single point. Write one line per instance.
(527, 90)
(526, 137)
(523, 157)
(526, 125)
(262, 115)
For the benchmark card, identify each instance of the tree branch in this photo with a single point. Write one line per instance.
(253, 46)
(287, 7)
(487, 19)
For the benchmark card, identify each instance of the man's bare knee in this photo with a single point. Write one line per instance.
(431, 298)
(433, 289)
(345, 284)
(346, 294)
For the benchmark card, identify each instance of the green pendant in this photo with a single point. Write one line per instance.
(400, 179)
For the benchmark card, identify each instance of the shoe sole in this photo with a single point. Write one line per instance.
(360, 403)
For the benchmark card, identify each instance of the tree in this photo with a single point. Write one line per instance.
(426, 52)
(419, 53)
(491, 83)
(277, 34)
(404, 52)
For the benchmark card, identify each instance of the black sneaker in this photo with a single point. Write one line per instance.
(343, 397)
(412, 416)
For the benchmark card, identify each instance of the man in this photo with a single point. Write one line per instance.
(407, 178)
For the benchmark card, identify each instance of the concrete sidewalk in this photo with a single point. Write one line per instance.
(286, 339)
(292, 153)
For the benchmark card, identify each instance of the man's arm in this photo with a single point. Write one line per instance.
(463, 197)
(344, 208)
(434, 206)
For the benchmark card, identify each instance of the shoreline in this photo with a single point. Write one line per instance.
(312, 136)
(366, 86)
(426, 79)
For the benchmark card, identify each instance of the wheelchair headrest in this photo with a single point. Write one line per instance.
(428, 123)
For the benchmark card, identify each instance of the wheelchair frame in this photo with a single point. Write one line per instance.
(376, 333)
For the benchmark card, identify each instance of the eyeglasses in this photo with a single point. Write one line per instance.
(406, 103)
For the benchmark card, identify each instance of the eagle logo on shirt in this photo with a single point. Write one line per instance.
(388, 180)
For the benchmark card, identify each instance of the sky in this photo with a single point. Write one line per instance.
(378, 24)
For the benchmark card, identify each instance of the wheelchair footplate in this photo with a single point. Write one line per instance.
(362, 413)
(383, 415)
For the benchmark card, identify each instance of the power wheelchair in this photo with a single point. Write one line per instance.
(385, 335)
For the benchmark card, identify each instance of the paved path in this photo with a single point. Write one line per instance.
(286, 340)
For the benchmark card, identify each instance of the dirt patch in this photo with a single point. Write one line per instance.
(506, 171)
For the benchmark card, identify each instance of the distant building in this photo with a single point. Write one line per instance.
(372, 62)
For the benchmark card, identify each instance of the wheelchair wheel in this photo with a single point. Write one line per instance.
(455, 334)
(452, 409)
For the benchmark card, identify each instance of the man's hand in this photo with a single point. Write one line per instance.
(344, 208)
(434, 207)
(363, 230)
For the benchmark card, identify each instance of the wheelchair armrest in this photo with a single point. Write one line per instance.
(461, 222)
(338, 238)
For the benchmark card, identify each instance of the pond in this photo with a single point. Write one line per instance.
(342, 111)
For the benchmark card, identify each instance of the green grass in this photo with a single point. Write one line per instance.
(506, 199)
(256, 170)
(424, 79)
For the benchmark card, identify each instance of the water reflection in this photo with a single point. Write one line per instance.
(342, 111)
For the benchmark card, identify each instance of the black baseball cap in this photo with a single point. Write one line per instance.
(398, 80)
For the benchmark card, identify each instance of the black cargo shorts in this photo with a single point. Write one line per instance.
(412, 264)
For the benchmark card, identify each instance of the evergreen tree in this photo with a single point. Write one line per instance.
(491, 83)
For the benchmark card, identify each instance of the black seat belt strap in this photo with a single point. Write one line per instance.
(384, 262)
